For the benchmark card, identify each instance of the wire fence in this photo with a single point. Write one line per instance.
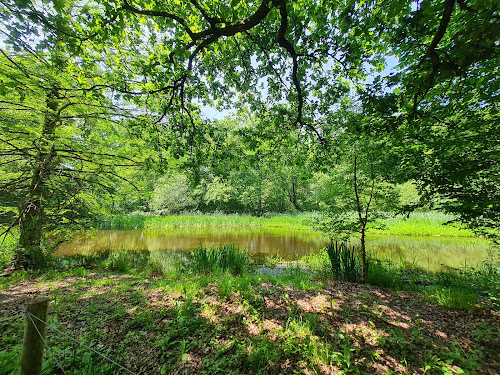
(54, 356)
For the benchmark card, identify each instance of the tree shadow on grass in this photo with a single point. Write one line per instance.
(259, 328)
(121, 319)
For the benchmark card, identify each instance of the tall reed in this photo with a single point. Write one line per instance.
(222, 258)
(345, 261)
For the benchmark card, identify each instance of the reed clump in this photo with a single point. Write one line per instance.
(345, 261)
(223, 258)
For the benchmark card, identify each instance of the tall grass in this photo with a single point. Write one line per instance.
(218, 259)
(345, 261)
(429, 223)
(156, 263)
(453, 288)
(154, 222)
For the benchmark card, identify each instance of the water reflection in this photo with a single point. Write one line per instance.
(430, 252)
(427, 252)
(260, 243)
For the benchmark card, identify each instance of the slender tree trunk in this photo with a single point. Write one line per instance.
(363, 220)
(364, 276)
(260, 182)
(31, 211)
(293, 198)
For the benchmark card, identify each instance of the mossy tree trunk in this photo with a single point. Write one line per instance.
(31, 211)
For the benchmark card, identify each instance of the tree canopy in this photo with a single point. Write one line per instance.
(307, 71)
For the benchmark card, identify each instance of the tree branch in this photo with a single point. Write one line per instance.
(283, 42)
(153, 13)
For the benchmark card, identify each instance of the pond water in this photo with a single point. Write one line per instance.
(427, 252)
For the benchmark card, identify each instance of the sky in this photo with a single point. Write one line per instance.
(212, 113)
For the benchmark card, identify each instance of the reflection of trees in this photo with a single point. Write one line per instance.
(288, 243)
(429, 252)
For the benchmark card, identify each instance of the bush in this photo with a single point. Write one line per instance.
(172, 194)
(8, 244)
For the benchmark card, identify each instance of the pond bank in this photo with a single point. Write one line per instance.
(219, 323)
(416, 224)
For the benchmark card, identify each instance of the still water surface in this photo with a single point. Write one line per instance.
(427, 252)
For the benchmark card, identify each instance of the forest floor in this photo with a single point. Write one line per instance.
(250, 324)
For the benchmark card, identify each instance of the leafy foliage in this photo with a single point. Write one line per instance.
(172, 194)
(61, 145)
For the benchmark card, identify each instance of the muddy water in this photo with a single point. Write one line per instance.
(258, 242)
(427, 252)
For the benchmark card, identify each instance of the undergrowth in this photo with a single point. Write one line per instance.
(217, 322)
(345, 261)
(467, 287)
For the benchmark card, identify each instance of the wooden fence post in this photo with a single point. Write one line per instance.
(34, 334)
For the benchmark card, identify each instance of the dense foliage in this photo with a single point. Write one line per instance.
(90, 90)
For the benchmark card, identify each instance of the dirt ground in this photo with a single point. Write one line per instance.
(387, 332)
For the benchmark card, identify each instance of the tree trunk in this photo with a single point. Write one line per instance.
(363, 220)
(259, 206)
(293, 198)
(364, 275)
(31, 211)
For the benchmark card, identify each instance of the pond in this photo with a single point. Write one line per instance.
(427, 252)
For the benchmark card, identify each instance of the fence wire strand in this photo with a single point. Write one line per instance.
(29, 315)
(80, 343)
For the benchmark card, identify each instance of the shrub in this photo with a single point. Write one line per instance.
(172, 194)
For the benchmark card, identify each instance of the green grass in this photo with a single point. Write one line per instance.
(219, 323)
(154, 222)
(159, 263)
(417, 224)
(455, 288)
(465, 287)
(430, 223)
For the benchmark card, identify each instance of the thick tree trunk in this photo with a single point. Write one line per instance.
(31, 211)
